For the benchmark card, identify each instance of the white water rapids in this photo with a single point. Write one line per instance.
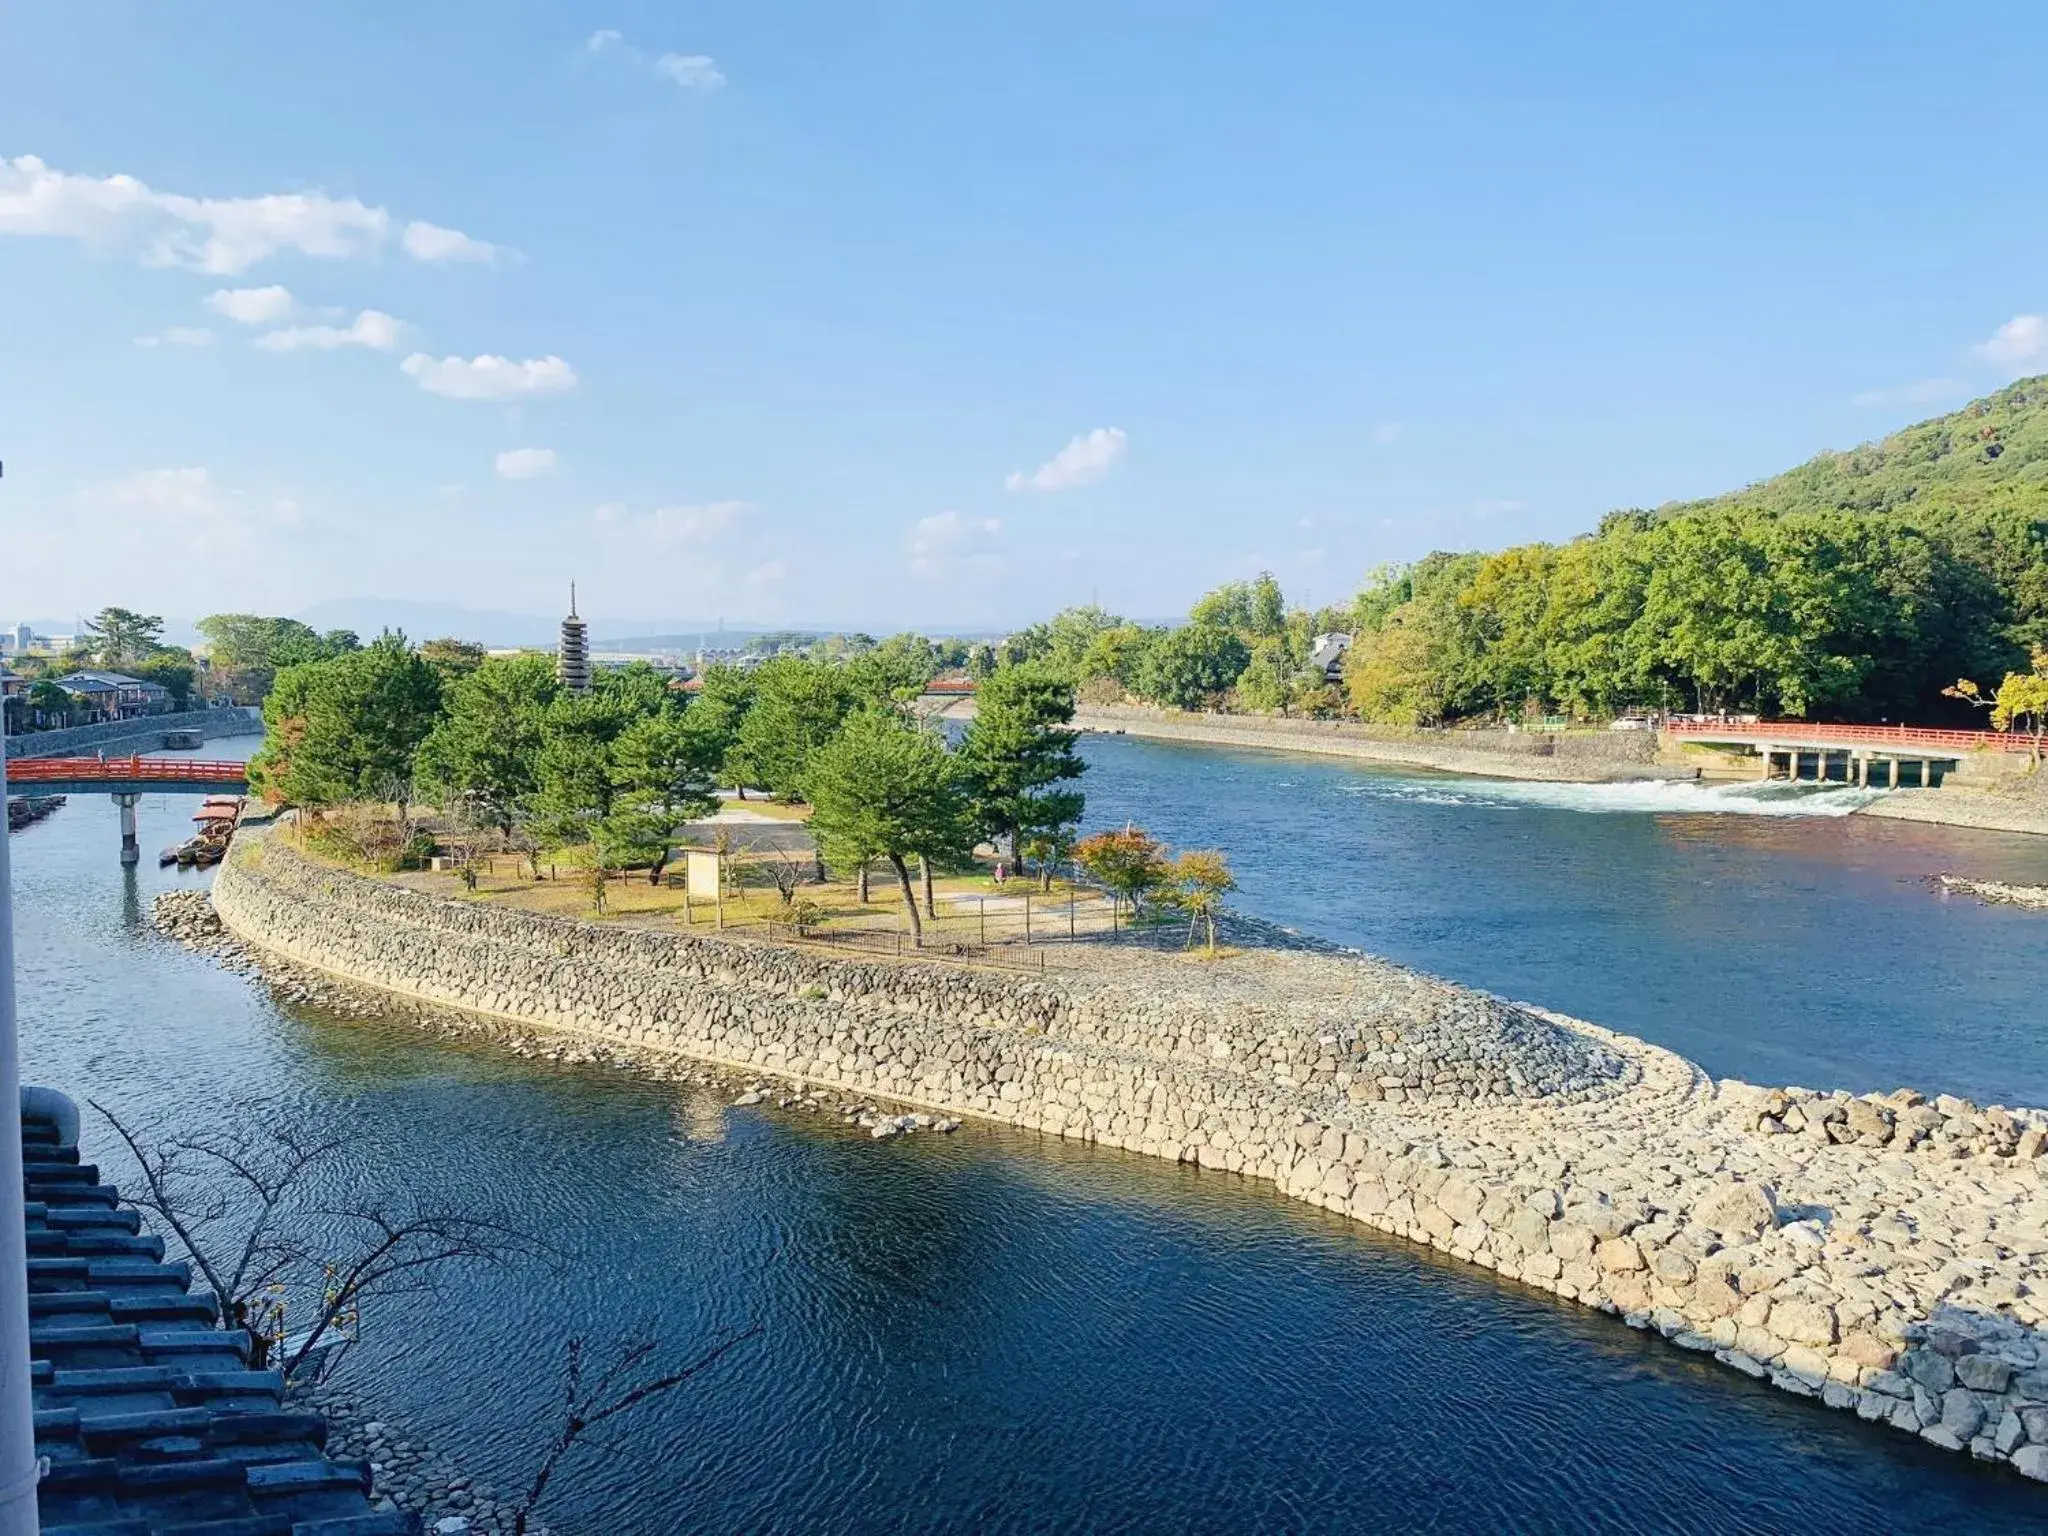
(1637, 797)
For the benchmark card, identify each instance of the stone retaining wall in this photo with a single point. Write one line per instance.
(141, 735)
(1572, 756)
(1882, 1255)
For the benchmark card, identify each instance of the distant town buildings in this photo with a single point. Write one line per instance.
(115, 695)
(21, 640)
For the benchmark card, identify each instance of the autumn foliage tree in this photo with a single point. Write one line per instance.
(1129, 864)
(1198, 881)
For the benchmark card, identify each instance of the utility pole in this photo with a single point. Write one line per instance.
(18, 1470)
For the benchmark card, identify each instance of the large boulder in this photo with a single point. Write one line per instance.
(1737, 1208)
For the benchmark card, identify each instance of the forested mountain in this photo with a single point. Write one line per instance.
(1857, 586)
(1992, 455)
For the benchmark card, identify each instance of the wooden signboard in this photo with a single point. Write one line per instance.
(703, 879)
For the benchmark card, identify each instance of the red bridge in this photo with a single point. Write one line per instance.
(1892, 739)
(127, 779)
(125, 775)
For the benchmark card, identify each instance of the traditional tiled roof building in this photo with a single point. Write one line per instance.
(148, 1413)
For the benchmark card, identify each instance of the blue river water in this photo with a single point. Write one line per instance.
(999, 1332)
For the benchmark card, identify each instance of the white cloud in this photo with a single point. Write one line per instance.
(1923, 392)
(1387, 432)
(526, 463)
(252, 306)
(766, 575)
(692, 71)
(707, 522)
(1082, 462)
(2019, 343)
(699, 524)
(948, 541)
(430, 242)
(178, 336)
(221, 235)
(488, 377)
(372, 328)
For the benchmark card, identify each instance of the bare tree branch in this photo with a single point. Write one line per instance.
(584, 1410)
(240, 1205)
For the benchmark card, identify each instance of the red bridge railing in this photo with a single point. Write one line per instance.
(1789, 731)
(125, 770)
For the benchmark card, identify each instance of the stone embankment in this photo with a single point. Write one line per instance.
(1883, 1254)
(1579, 757)
(144, 734)
(2020, 807)
(411, 1475)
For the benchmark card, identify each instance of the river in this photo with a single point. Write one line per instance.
(993, 1331)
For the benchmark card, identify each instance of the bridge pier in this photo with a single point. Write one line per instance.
(131, 848)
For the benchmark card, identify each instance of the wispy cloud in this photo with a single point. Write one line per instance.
(489, 377)
(183, 510)
(699, 523)
(2019, 343)
(122, 214)
(1386, 432)
(525, 463)
(947, 542)
(253, 306)
(178, 336)
(691, 71)
(1082, 462)
(372, 328)
(1920, 392)
(431, 243)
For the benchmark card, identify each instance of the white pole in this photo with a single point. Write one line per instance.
(17, 1423)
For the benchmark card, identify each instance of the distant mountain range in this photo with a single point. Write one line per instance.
(496, 627)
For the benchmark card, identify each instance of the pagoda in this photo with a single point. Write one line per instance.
(572, 657)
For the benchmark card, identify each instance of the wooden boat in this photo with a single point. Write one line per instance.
(202, 849)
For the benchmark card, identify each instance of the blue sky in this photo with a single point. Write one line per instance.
(950, 315)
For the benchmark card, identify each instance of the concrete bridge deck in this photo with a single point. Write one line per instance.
(1879, 756)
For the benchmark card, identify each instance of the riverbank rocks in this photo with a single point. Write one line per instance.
(1883, 1255)
(1948, 1127)
(409, 1474)
(1997, 892)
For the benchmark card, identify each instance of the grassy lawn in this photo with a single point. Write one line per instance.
(772, 810)
(971, 908)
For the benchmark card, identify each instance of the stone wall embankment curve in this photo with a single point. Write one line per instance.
(1567, 756)
(1884, 1259)
(144, 734)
